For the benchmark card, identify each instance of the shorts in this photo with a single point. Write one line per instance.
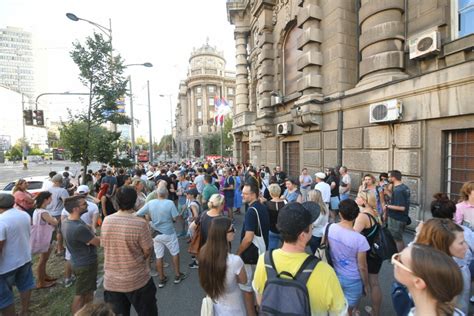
(249, 270)
(169, 241)
(352, 289)
(142, 299)
(396, 228)
(86, 281)
(21, 277)
(334, 203)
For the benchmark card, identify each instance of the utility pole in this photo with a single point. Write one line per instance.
(149, 123)
(132, 132)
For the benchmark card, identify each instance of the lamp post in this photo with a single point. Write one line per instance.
(132, 129)
(171, 122)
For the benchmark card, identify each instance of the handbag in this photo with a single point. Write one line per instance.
(195, 243)
(323, 252)
(258, 241)
(384, 245)
(207, 307)
(41, 233)
(256, 248)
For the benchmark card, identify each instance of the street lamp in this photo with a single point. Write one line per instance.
(171, 122)
(105, 30)
(131, 106)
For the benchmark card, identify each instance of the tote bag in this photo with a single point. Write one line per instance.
(41, 233)
(258, 241)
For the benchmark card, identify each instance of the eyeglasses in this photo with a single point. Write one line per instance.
(231, 230)
(397, 262)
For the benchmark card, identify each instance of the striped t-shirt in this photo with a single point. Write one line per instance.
(124, 236)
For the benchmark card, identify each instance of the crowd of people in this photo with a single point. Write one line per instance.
(309, 245)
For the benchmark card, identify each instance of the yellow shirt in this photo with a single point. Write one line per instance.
(325, 292)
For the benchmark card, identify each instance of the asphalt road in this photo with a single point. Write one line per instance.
(13, 171)
(185, 298)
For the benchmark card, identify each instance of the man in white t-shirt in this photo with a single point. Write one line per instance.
(323, 187)
(15, 256)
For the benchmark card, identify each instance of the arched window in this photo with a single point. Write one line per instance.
(291, 55)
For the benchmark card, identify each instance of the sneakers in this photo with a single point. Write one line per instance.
(165, 264)
(179, 278)
(153, 273)
(193, 265)
(162, 282)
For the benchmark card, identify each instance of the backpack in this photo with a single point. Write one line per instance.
(383, 246)
(286, 295)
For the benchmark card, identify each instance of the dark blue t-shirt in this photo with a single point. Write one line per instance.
(400, 197)
(229, 194)
(251, 221)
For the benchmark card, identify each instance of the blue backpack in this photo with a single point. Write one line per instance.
(285, 294)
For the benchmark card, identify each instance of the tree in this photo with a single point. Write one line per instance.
(141, 143)
(52, 139)
(165, 145)
(16, 152)
(212, 142)
(101, 145)
(101, 73)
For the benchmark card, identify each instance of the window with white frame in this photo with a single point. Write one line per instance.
(211, 89)
(211, 101)
(462, 18)
(230, 91)
(200, 115)
(198, 90)
(231, 103)
(199, 102)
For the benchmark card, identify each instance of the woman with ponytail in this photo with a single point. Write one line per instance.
(431, 276)
(220, 272)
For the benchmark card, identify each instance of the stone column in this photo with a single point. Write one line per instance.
(241, 81)
(381, 41)
(265, 73)
(310, 62)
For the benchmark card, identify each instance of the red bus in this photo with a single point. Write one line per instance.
(143, 156)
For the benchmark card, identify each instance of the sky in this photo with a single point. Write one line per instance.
(163, 33)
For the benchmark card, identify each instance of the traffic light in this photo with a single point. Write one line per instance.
(28, 117)
(39, 115)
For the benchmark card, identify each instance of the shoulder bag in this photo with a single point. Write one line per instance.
(323, 252)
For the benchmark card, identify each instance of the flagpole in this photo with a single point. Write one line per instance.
(222, 123)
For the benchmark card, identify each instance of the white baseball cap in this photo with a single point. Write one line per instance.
(320, 175)
(82, 189)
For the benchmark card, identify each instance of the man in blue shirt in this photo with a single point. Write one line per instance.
(397, 210)
(163, 214)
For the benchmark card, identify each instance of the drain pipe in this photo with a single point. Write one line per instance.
(340, 121)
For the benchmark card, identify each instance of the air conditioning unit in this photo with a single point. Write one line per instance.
(284, 128)
(386, 111)
(424, 44)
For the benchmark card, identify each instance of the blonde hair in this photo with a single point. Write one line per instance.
(466, 190)
(316, 196)
(215, 201)
(274, 190)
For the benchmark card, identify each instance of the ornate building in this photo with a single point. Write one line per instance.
(207, 78)
(373, 85)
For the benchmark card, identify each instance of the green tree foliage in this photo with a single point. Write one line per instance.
(97, 147)
(52, 139)
(16, 152)
(212, 142)
(164, 146)
(101, 73)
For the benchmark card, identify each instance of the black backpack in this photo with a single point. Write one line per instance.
(285, 294)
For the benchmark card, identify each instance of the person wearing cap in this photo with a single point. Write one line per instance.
(323, 187)
(305, 183)
(58, 195)
(295, 225)
(15, 256)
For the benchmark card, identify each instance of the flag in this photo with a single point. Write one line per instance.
(222, 108)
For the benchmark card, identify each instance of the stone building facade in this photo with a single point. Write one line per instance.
(207, 79)
(310, 75)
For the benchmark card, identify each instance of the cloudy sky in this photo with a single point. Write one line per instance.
(161, 32)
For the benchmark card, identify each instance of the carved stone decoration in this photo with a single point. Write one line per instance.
(308, 113)
(276, 9)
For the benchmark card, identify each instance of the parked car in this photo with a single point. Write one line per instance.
(35, 185)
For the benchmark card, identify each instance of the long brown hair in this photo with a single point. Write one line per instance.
(213, 258)
(438, 233)
(17, 186)
(466, 190)
(441, 274)
(317, 197)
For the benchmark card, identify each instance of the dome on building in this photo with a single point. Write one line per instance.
(207, 57)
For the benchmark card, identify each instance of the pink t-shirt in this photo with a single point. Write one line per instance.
(464, 213)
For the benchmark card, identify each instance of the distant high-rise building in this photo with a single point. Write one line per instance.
(16, 60)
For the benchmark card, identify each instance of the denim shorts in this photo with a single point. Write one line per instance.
(352, 289)
(21, 277)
